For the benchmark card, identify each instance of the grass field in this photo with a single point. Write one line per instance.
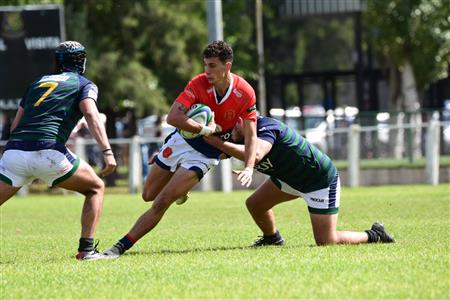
(199, 250)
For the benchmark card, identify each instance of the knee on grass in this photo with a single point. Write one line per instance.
(326, 239)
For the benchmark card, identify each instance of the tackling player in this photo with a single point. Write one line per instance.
(181, 163)
(47, 114)
(296, 169)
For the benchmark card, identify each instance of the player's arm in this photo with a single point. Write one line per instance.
(177, 118)
(98, 131)
(238, 150)
(17, 118)
(250, 142)
(245, 176)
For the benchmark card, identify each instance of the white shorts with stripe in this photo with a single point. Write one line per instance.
(177, 153)
(323, 201)
(18, 167)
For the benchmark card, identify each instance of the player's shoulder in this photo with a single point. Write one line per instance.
(269, 123)
(242, 85)
(200, 79)
(241, 82)
(83, 80)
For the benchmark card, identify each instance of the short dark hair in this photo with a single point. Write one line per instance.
(219, 49)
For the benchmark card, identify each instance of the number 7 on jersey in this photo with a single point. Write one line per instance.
(51, 85)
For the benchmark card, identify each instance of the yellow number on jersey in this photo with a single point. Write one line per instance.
(51, 85)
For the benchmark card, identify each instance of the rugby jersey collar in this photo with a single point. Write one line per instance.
(227, 94)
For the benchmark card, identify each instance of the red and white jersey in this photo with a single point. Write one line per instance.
(238, 101)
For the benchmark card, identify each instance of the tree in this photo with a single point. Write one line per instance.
(150, 46)
(413, 37)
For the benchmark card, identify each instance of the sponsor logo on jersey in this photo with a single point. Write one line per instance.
(317, 200)
(237, 93)
(189, 92)
(167, 152)
(54, 78)
(226, 136)
(264, 165)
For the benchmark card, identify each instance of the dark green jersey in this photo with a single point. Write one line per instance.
(292, 158)
(51, 107)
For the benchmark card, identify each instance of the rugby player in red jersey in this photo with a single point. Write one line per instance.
(181, 163)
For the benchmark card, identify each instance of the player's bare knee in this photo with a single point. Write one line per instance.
(100, 186)
(250, 203)
(325, 240)
(97, 187)
(146, 196)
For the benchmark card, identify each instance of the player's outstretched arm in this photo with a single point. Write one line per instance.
(238, 150)
(245, 176)
(97, 129)
(235, 150)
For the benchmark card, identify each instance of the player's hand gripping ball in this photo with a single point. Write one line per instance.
(200, 113)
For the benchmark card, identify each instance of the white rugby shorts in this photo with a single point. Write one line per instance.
(323, 201)
(18, 168)
(177, 153)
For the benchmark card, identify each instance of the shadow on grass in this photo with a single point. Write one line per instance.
(173, 251)
(186, 251)
(209, 249)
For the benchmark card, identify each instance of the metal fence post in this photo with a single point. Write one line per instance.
(227, 178)
(206, 184)
(135, 166)
(353, 154)
(432, 153)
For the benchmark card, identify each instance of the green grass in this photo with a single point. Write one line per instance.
(199, 249)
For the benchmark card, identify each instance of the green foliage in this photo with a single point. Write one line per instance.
(29, 2)
(239, 31)
(199, 250)
(143, 51)
(417, 30)
(306, 44)
(119, 81)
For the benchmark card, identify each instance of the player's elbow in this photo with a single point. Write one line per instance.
(258, 157)
(174, 118)
(91, 118)
(171, 119)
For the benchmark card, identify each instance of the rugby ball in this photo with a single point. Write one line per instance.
(200, 113)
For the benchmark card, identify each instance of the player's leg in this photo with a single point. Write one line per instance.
(155, 182)
(260, 204)
(7, 191)
(85, 181)
(13, 175)
(323, 206)
(181, 182)
(325, 233)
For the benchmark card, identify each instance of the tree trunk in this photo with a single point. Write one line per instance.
(396, 136)
(411, 105)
